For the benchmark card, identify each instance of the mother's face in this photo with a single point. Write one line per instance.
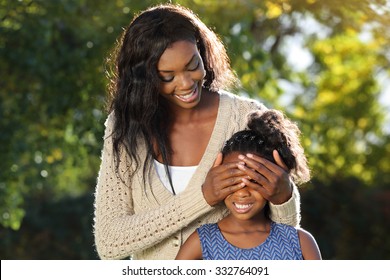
(181, 71)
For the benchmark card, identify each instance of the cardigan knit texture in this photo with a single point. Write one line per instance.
(140, 219)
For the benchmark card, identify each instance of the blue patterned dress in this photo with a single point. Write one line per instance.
(281, 244)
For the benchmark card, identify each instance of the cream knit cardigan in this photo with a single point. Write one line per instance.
(145, 221)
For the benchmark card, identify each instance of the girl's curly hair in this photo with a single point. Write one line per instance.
(268, 131)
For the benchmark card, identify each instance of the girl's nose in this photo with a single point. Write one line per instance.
(244, 192)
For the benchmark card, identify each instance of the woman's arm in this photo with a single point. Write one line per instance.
(119, 231)
(191, 249)
(309, 247)
(289, 212)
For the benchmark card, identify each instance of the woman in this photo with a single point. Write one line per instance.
(161, 175)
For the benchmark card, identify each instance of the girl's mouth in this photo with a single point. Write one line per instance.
(242, 208)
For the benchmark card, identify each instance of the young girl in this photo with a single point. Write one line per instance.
(248, 233)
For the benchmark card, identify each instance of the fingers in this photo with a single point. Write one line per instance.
(218, 160)
(270, 179)
(263, 166)
(218, 192)
(257, 187)
(222, 180)
(228, 190)
(228, 178)
(232, 181)
(228, 171)
(254, 175)
(279, 161)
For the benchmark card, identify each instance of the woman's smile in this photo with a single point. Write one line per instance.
(189, 97)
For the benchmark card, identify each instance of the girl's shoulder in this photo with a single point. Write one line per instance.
(309, 246)
(304, 234)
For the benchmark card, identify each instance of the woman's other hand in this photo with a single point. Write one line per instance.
(221, 181)
(271, 180)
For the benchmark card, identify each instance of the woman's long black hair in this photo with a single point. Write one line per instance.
(139, 111)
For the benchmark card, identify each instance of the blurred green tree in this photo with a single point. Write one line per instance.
(52, 99)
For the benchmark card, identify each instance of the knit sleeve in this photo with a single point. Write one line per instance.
(289, 212)
(119, 231)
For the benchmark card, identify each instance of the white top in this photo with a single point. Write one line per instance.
(181, 175)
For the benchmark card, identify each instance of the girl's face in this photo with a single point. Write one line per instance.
(246, 202)
(181, 72)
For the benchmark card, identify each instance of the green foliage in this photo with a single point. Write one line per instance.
(59, 230)
(53, 88)
(52, 97)
(52, 109)
(342, 102)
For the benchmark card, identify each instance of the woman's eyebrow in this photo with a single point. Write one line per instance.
(188, 63)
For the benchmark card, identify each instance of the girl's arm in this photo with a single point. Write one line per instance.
(191, 249)
(309, 247)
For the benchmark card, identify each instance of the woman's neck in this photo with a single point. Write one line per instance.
(207, 107)
(191, 128)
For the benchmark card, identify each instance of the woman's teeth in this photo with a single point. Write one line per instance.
(187, 97)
